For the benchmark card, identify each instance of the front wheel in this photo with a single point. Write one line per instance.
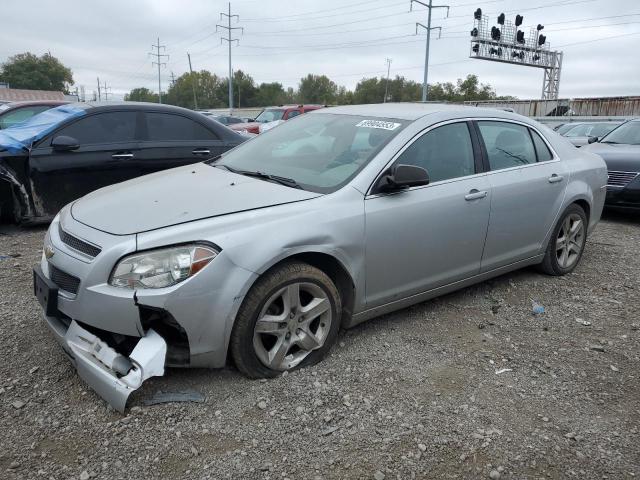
(567, 242)
(290, 318)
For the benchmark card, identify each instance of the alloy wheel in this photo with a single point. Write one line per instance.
(294, 321)
(570, 241)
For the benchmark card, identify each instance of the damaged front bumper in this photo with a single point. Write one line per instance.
(112, 375)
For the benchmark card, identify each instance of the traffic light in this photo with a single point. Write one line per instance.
(495, 51)
(519, 19)
(520, 36)
(501, 19)
(541, 40)
(539, 27)
(474, 32)
(475, 48)
(495, 34)
(477, 14)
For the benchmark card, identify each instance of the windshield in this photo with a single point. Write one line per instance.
(628, 133)
(320, 152)
(270, 116)
(35, 128)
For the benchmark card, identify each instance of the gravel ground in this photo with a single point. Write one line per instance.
(471, 385)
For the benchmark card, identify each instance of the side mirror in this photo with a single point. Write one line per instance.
(62, 143)
(592, 139)
(402, 177)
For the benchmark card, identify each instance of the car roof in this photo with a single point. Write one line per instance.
(414, 111)
(26, 103)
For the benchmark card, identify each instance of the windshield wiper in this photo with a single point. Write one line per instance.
(287, 182)
(610, 141)
(213, 160)
(513, 155)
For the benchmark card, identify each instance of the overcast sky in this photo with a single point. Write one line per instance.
(284, 40)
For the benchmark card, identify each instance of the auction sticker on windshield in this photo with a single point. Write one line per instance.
(378, 124)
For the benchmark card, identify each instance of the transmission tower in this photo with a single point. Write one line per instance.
(230, 41)
(159, 63)
(386, 87)
(428, 28)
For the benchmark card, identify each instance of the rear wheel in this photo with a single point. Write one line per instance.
(289, 319)
(567, 242)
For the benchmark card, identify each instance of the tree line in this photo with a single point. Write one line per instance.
(46, 72)
(211, 91)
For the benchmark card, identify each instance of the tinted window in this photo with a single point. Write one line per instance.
(166, 127)
(544, 154)
(508, 144)
(20, 115)
(234, 120)
(110, 127)
(293, 113)
(445, 152)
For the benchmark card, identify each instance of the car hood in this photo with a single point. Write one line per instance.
(177, 196)
(622, 158)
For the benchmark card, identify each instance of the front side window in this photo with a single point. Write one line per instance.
(445, 152)
(321, 152)
(508, 144)
(293, 113)
(167, 127)
(108, 127)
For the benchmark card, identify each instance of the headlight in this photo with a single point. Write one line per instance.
(161, 268)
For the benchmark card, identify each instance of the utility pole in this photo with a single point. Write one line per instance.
(173, 78)
(99, 96)
(386, 88)
(159, 63)
(230, 40)
(428, 28)
(193, 83)
(106, 89)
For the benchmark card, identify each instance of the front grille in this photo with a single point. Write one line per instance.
(78, 244)
(620, 179)
(63, 280)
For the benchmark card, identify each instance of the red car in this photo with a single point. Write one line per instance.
(17, 112)
(272, 114)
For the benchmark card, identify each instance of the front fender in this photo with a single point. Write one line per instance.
(18, 189)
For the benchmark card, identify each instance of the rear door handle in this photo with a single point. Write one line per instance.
(121, 156)
(555, 178)
(201, 151)
(475, 195)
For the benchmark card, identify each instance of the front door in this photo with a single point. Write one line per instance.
(107, 154)
(428, 236)
(527, 183)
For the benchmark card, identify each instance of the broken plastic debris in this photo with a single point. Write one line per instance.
(171, 397)
(536, 308)
(503, 370)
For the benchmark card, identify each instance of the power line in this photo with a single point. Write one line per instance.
(230, 40)
(159, 63)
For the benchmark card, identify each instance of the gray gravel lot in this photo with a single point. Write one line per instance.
(414, 394)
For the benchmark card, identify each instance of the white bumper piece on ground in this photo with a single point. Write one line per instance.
(112, 375)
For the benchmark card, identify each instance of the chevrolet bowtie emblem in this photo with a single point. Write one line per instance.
(49, 251)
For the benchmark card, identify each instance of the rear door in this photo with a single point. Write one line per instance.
(528, 182)
(107, 154)
(429, 236)
(172, 140)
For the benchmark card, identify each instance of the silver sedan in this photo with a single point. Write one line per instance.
(260, 256)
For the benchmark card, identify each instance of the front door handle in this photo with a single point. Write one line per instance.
(201, 151)
(475, 195)
(555, 178)
(121, 156)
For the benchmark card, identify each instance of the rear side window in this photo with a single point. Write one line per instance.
(293, 113)
(508, 144)
(108, 127)
(167, 127)
(445, 152)
(543, 152)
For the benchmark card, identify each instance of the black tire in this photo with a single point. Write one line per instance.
(550, 264)
(241, 342)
